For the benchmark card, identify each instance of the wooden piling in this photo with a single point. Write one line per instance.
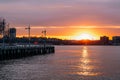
(12, 52)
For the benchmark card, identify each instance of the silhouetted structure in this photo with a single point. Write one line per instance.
(12, 33)
(116, 40)
(18, 51)
(104, 40)
(2, 25)
(3, 30)
(28, 28)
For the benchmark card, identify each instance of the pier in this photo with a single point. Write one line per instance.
(19, 51)
(9, 49)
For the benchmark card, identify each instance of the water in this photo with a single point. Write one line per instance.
(68, 63)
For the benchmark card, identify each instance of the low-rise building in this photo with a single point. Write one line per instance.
(104, 40)
(116, 40)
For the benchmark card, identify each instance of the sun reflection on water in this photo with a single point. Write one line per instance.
(86, 69)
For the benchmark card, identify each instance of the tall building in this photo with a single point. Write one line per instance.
(12, 33)
(104, 40)
(116, 40)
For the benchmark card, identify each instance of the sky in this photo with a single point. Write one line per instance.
(63, 18)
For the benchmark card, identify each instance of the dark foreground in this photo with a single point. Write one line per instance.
(20, 51)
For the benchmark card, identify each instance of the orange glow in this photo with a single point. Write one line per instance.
(84, 36)
(85, 67)
(75, 32)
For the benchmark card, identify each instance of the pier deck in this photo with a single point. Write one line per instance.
(19, 51)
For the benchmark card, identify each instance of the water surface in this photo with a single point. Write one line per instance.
(68, 63)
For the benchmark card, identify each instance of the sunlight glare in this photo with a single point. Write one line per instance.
(84, 36)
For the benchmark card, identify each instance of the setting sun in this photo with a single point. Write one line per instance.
(84, 36)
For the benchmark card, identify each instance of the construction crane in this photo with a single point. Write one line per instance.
(44, 37)
(44, 33)
(2, 29)
(28, 28)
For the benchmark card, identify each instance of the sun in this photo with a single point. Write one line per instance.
(84, 36)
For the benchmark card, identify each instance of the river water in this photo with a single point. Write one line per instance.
(67, 63)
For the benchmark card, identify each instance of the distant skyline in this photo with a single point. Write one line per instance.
(63, 19)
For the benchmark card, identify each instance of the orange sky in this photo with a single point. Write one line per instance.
(70, 33)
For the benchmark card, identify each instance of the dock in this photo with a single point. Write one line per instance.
(20, 51)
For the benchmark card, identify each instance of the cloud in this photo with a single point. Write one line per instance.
(61, 12)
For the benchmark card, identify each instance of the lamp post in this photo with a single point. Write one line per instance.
(28, 28)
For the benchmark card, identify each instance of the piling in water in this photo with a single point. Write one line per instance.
(13, 52)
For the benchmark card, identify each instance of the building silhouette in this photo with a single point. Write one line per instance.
(116, 40)
(104, 40)
(12, 33)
